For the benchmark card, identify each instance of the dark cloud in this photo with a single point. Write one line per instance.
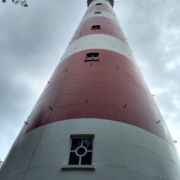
(33, 39)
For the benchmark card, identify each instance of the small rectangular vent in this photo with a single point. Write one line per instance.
(97, 12)
(98, 4)
(96, 27)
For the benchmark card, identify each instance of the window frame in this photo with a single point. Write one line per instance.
(91, 60)
(83, 167)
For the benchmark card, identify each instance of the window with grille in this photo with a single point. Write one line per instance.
(96, 27)
(81, 151)
(97, 12)
(92, 57)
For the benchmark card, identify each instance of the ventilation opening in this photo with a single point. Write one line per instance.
(92, 57)
(98, 4)
(96, 27)
(98, 12)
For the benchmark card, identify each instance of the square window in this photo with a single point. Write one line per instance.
(98, 4)
(96, 27)
(81, 150)
(92, 57)
(97, 12)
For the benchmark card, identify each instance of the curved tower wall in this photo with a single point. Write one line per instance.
(108, 99)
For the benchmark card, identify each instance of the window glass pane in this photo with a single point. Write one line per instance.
(73, 159)
(92, 56)
(96, 27)
(81, 151)
(88, 143)
(75, 143)
(86, 160)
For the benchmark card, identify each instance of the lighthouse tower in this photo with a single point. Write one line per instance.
(96, 118)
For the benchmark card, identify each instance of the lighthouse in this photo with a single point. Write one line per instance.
(96, 118)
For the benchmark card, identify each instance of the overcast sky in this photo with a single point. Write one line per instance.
(33, 39)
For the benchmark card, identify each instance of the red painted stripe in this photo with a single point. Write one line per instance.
(112, 88)
(108, 27)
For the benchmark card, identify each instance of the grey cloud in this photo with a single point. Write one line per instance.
(32, 41)
(152, 29)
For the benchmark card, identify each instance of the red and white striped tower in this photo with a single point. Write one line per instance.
(96, 118)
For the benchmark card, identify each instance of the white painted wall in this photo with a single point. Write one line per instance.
(121, 151)
(103, 14)
(100, 1)
(99, 41)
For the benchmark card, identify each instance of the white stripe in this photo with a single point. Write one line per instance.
(99, 41)
(100, 1)
(103, 14)
(116, 146)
